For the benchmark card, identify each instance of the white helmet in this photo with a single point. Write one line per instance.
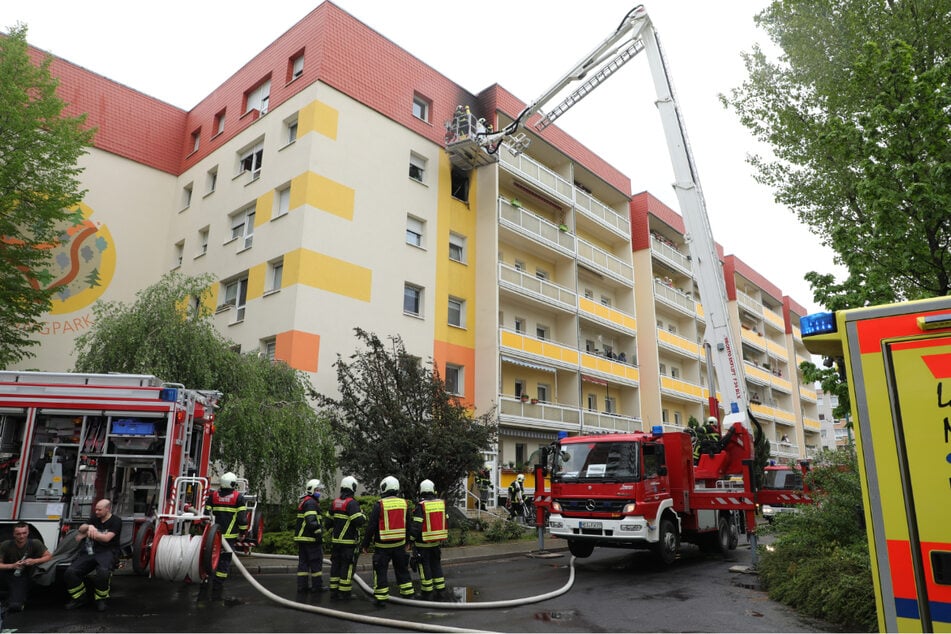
(228, 480)
(427, 486)
(712, 420)
(349, 483)
(520, 477)
(389, 484)
(314, 486)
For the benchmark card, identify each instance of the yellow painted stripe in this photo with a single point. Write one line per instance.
(256, 280)
(327, 273)
(318, 117)
(322, 193)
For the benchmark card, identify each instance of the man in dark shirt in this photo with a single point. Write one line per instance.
(98, 554)
(18, 556)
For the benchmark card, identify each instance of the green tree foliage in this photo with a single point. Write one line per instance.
(831, 379)
(819, 561)
(266, 428)
(39, 190)
(395, 417)
(856, 110)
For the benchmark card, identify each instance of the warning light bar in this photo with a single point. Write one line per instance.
(817, 324)
(933, 322)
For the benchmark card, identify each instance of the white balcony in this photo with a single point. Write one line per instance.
(605, 263)
(671, 256)
(539, 415)
(532, 286)
(536, 228)
(605, 422)
(537, 174)
(673, 297)
(594, 209)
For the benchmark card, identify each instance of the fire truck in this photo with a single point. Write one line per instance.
(643, 489)
(68, 440)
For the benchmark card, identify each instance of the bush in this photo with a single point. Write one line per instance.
(502, 531)
(819, 562)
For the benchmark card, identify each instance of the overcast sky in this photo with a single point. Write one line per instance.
(523, 45)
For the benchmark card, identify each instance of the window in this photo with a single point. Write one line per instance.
(179, 252)
(605, 300)
(457, 312)
(455, 382)
(219, 122)
(610, 406)
(187, 196)
(678, 419)
(414, 231)
(417, 167)
(421, 107)
(268, 348)
(541, 274)
(251, 160)
(242, 226)
(541, 332)
(257, 97)
(589, 345)
(290, 127)
(592, 402)
(202, 242)
(664, 416)
(521, 449)
(412, 300)
(542, 393)
(296, 66)
(459, 185)
(588, 293)
(674, 373)
(520, 389)
(211, 180)
(196, 139)
(672, 328)
(457, 248)
(275, 275)
(663, 369)
(236, 294)
(282, 201)
(519, 265)
(520, 325)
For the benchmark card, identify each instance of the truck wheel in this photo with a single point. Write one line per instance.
(669, 542)
(734, 535)
(580, 549)
(723, 534)
(142, 548)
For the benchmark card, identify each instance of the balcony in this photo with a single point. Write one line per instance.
(754, 339)
(538, 415)
(549, 352)
(808, 394)
(673, 297)
(608, 316)
(774, 319)
(780, 384)
(683, 389)
(602, 421)
(536, 228)
(609, 369)
(756, 375)
(605, 263)
(603, 215)
(676, 343)
(538, 175)
(777, 350)
(671, 256)
(749, 304)
(532, 286)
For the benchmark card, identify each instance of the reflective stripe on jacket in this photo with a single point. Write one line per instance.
(434, 521)
(230, 512)
(347, 518)
(307, 528)
(392, 524)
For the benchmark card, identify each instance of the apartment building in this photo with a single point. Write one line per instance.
(322, 189)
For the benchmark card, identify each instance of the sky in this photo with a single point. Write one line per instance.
(525, 46)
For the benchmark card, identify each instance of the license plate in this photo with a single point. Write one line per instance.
(590, 524)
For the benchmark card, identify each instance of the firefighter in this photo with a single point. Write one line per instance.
(517, 497)
(230, 511)
(709, 439)
(387, 532)
(98, 555)
(307, 534)
(427, 533)
(346, 518)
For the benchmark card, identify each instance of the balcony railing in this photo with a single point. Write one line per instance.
(749, 303)
(536, 227)
(602, 421)
(608, 315)
(602, 214)
(671, 255)
(603, 261)
(774, 319)
(546, 415)
(674, 297)
(777, 350)
(684, 389)
(678, 343)
(538, 175)
(536, 287)
(555, 354)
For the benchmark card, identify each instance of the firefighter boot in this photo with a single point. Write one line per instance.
(217, 590)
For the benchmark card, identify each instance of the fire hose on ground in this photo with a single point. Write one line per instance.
(409, 625)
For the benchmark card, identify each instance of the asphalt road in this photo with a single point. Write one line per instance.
(614, 591)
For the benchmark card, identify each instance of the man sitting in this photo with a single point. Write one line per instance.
(18, 557)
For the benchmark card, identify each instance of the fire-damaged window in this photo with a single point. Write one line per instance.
(460, 185)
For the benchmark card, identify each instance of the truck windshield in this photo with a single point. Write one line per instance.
(599, 461)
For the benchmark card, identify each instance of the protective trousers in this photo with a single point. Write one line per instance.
(430, 569)
(221, 572)
(75, 576)
(381, 562)
(341, 567)
(310, 561)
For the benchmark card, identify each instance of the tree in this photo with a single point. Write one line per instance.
(395, 417)
(266, 428)
(857, 110)
(39, 190)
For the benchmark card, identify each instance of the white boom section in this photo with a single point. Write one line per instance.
(633, 35)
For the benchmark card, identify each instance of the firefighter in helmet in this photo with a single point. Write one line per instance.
(308, 535)
(427, 533)
(228, 507)
(709, 439)
(517, 497)
(387, 532)
(346, 518)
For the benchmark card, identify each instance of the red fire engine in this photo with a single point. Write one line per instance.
(68, 440)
